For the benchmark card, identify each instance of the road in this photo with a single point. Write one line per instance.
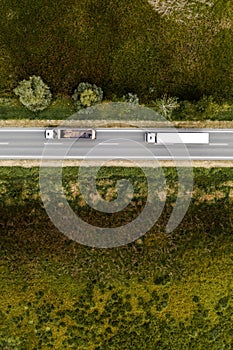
(30, 143)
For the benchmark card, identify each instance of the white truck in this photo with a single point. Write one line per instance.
(164, 138)
(59, 133)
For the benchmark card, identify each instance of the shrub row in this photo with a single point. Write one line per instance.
(35, 95)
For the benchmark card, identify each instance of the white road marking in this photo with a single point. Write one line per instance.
(121, 130)
(53, 143)
(4, 143)
(119, 157)
(151, 158)
(24, 130)
(171, 129)
(108, 144)
(133, 129)
(218, 144)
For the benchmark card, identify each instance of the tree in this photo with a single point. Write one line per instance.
(87, 95)
(166, 105)
(34, 94)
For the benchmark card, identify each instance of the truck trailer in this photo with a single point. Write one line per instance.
(164, 138)
(59, 133)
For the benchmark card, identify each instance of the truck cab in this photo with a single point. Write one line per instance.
(150, 137)
(50, 134)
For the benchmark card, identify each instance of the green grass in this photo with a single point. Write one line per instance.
(62, 108)
(11, 108)
(164, 290)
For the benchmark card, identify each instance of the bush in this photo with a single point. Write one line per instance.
(87, 95)
(204, 103)
(166, 105)
(187, 111)
(206, 108)
(131, 98)
(34, 94)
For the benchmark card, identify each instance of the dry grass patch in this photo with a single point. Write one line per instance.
(121, 163)
(211, 197)
(116, 123)
(228, 183)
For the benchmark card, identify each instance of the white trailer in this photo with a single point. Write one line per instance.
(58, 133)
(165, 138)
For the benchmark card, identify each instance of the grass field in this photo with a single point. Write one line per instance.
(120, 46)
(164, 290)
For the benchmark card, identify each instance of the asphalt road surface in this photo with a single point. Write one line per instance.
(30, 143)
